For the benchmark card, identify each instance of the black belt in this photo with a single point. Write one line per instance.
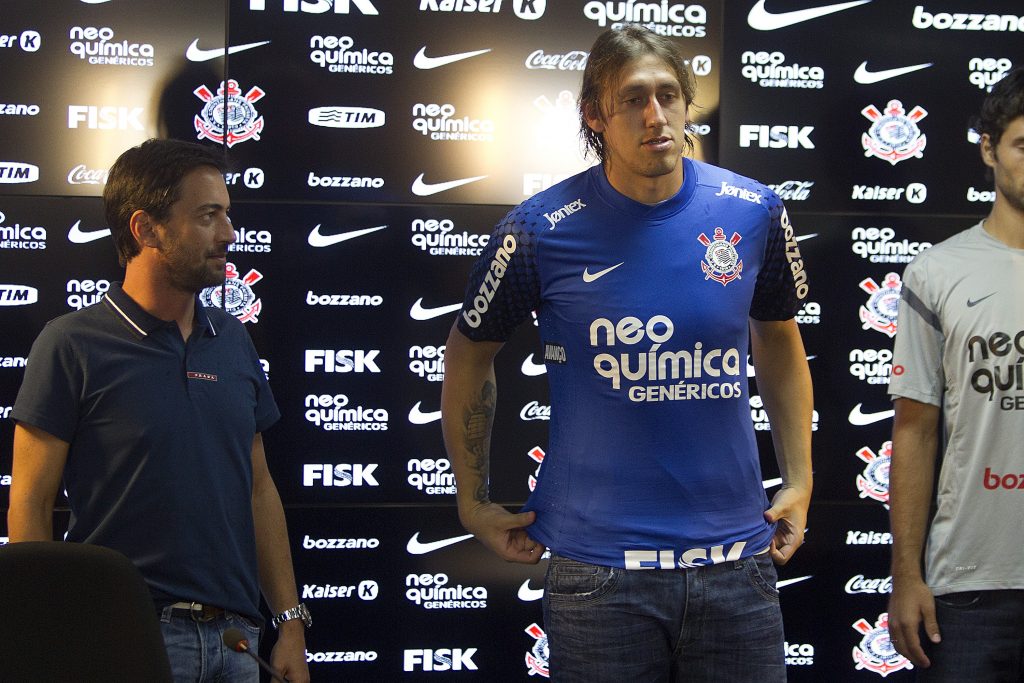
(196, 611)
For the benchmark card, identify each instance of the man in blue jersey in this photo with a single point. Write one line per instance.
(149, 407)
(957, 362)
(651, 275)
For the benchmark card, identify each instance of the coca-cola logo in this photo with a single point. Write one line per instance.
(82, 175)
(793, 190)
(575, 60)
(859, 584)
(534, 411)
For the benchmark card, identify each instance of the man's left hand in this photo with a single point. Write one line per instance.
(789, 511)
(289, 653)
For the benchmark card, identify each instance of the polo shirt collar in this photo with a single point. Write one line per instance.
(145, 323)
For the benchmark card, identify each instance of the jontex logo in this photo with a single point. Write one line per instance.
(336, 54)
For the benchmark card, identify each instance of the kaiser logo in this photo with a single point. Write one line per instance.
(17, 172)
(535, 454)
(18, 295)
(346, 117)
(875, 651)
(537, 655)
(894, 135)
(29, 40)
(722, 263)
(236, 295)
(874, 481)
(230, 106)
(880, 311)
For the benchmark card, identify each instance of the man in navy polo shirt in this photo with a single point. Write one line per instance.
(150, 407)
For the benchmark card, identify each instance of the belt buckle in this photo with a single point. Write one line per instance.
(203, 617)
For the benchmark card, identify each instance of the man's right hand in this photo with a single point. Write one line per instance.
(911, 605)
(503, 532)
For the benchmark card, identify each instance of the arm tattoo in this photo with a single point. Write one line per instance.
(477, 420)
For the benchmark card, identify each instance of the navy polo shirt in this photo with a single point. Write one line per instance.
(160, 433)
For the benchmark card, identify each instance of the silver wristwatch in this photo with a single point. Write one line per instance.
(297, 612)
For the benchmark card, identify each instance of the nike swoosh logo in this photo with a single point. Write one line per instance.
(79, 236)
(768, 483)
(589, 277)
(415, 547)
(195, 54)
(418, 312)
(422, 61)
(763, 20)
(418, 417)
(865, 77)
(861, 419)
(782, 583)
(531, 369)
(318, 240)
(801, 238)
(975, 302)
(527, 594)
(422, 189)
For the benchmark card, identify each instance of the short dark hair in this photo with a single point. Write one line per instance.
(611, 52)
(1004, 104)
(148, 177)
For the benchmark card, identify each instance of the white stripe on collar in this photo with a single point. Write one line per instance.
(125, 315)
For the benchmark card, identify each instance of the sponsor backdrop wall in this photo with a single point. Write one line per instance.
(374, 143)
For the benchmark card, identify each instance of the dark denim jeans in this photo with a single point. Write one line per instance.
(716, 623)
(982, 638)
(197, 651)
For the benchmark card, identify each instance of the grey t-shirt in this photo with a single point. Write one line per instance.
(960, 345)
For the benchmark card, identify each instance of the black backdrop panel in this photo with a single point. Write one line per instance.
(374, 144)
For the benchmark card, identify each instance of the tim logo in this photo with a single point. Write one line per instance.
(875, 652)
(537, 656)
(873, 482)
(240, 121)
(893, 135)
(722, 263)
(880, 311)
(235, 296)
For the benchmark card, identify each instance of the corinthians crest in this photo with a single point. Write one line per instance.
(893, 135)
(236, 296)
(879, 313)
(874, 481)
(537, 657)
(722, 263)
(229, 117)
(875, 651)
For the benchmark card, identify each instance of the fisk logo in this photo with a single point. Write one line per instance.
(105, 118)
(444, 659)
(341, 360)
(339, 475)
(776, 137)
(318, 6)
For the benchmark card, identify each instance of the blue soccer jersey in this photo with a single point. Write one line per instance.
(643, 314)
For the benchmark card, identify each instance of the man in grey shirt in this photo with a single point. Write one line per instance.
(959, 354)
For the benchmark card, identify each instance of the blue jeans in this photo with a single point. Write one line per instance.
(197, 651)
(982, 638)
(716, 623)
